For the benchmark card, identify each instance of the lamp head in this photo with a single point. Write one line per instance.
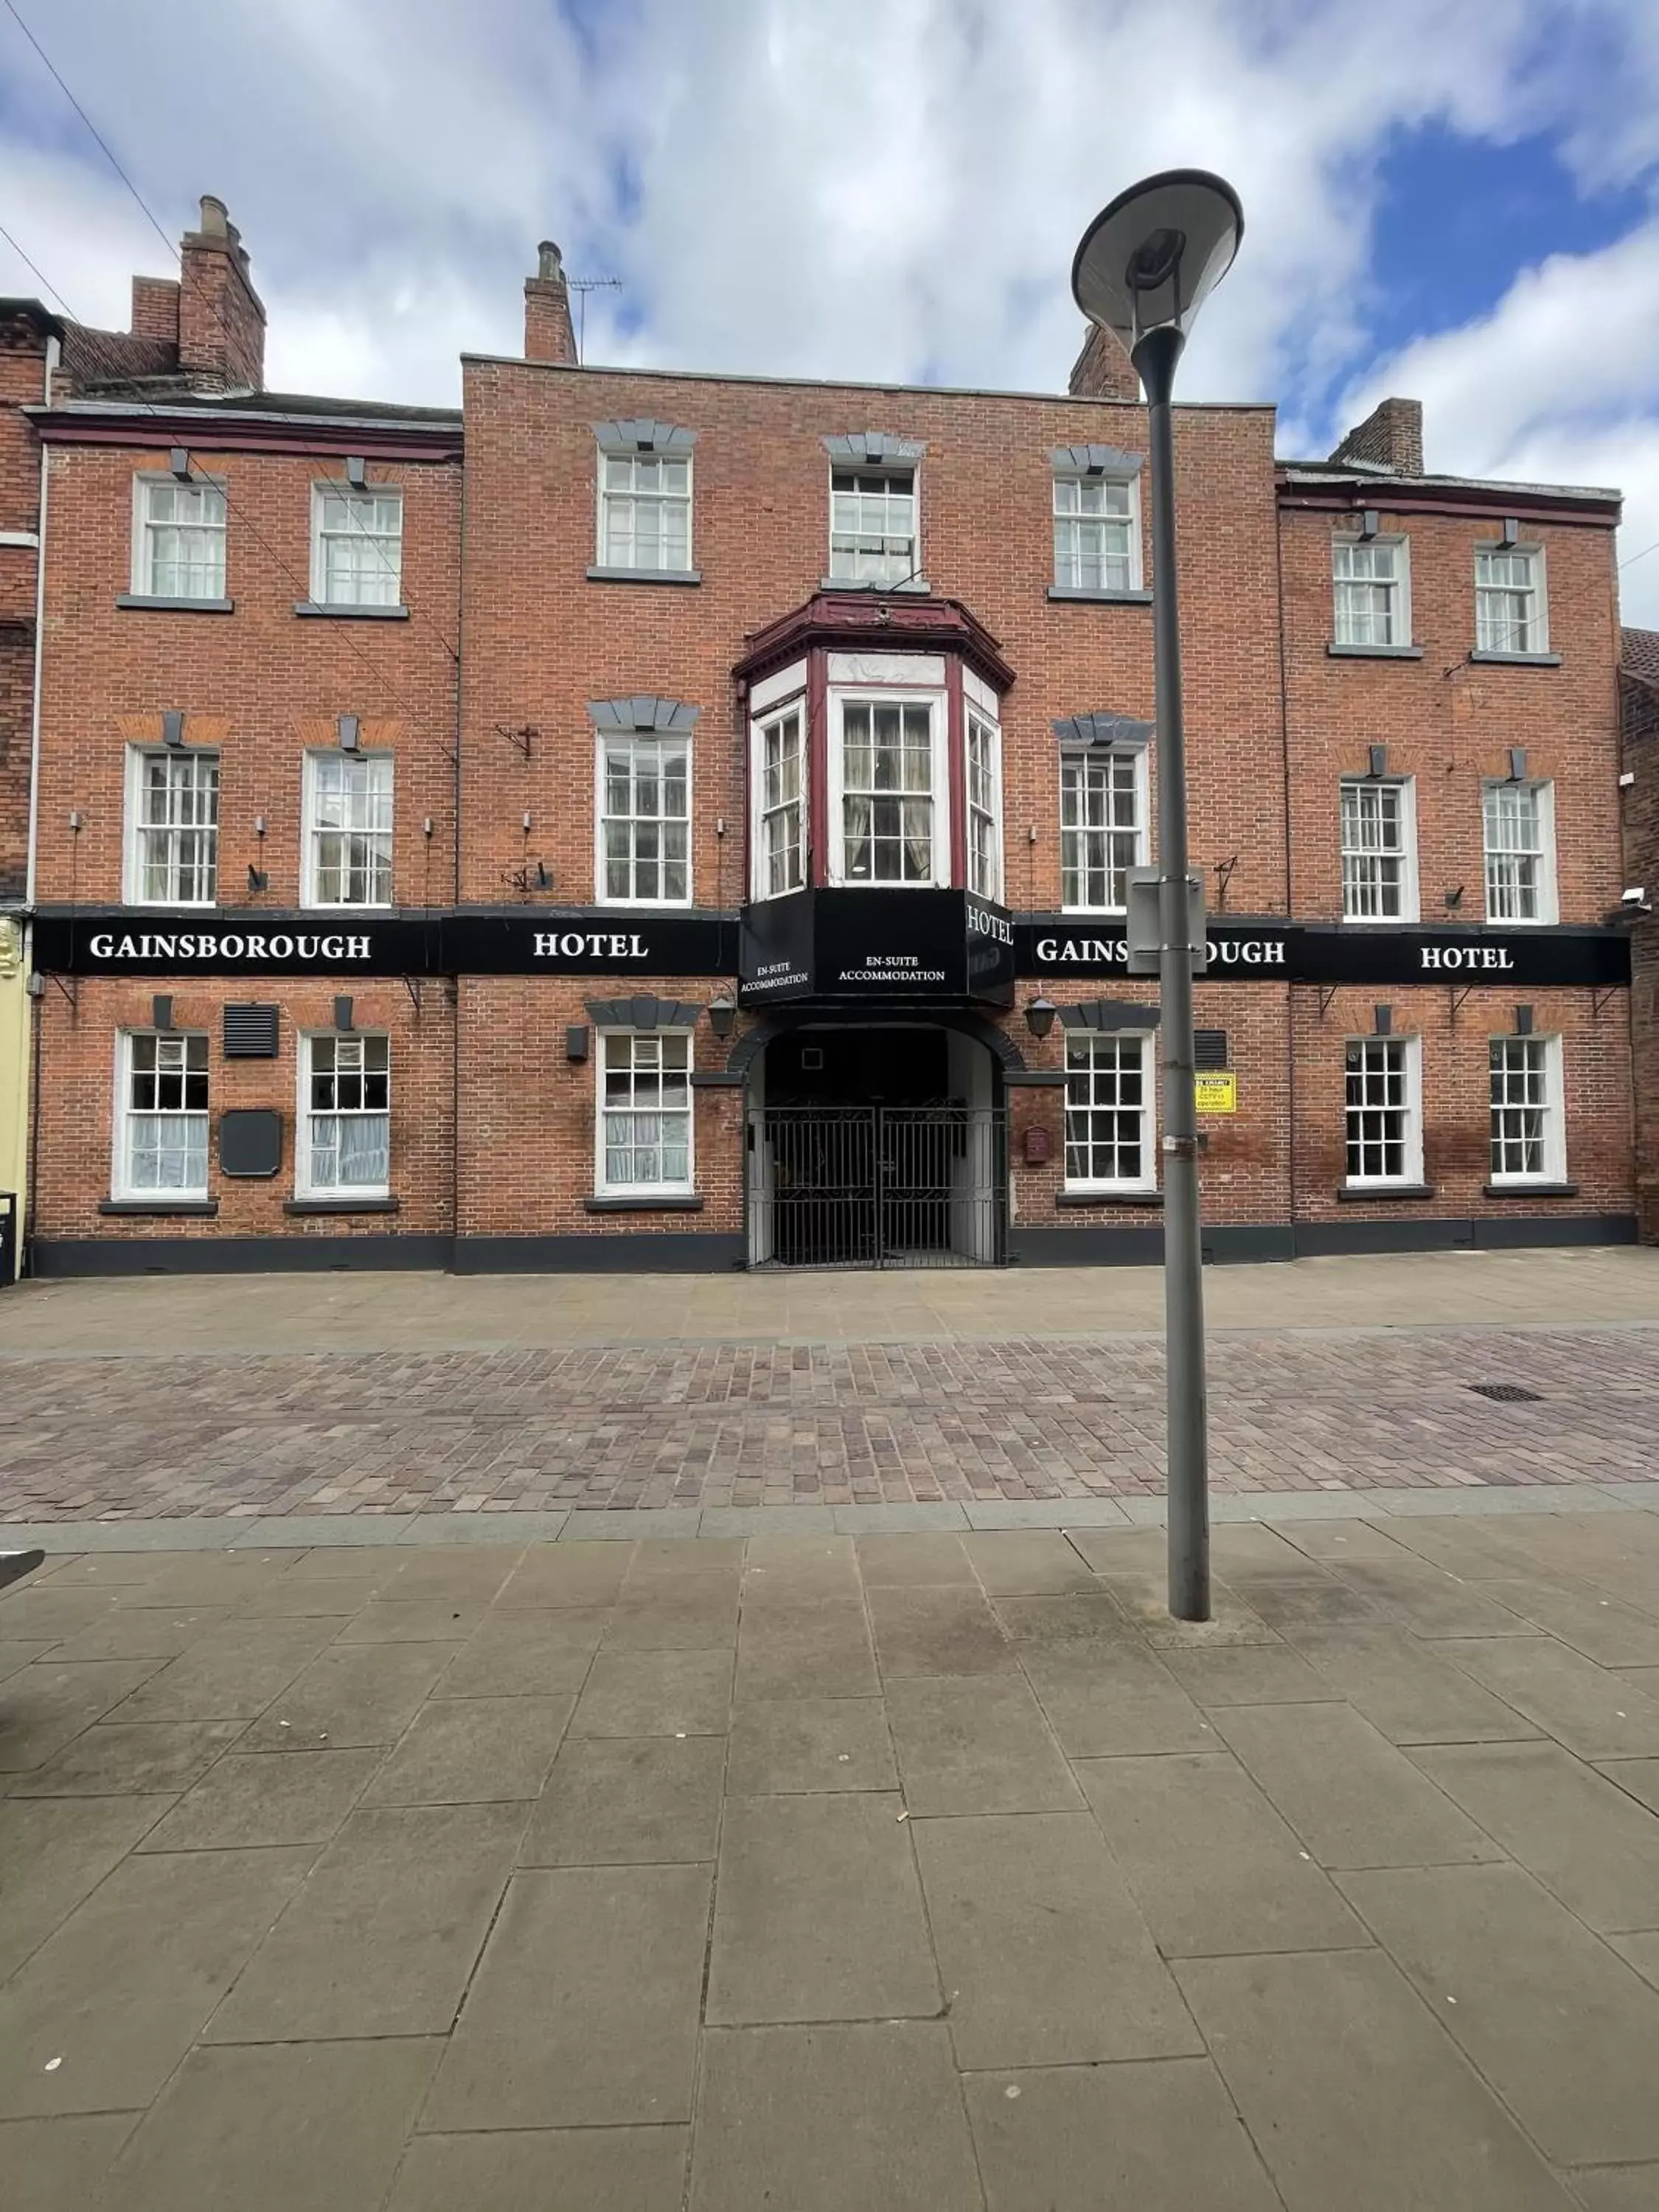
(1149, 261)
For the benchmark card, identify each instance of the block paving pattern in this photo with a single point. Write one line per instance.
(683, 1424)
(939, 1873)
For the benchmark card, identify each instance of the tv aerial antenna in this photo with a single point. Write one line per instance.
(582, 286)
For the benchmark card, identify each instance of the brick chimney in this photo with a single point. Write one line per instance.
(222, 322)
(1102, 369)
(155, 309)
(1391, 436)
(547, 333)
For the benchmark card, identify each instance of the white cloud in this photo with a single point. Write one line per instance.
(870, 190)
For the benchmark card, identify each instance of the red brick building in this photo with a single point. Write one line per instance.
(664, 820)
(1638, 688)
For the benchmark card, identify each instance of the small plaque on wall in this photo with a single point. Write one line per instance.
(250, 1141)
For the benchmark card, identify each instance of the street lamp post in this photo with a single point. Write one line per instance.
(1144, 267)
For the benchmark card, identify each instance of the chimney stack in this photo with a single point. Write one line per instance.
(1391, 437)
(1103, 370)
(548, 331)
(222, 321)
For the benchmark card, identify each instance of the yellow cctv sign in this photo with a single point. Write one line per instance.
(1217, 1093)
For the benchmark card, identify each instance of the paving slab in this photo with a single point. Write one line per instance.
(1353, 1798)
(1335, 1542)
(1640, 1951)
(1046, 1513)
(566, 1574)
(583, 2012)
(1430, 1602)
(1086, 1615)
(940, 1629)
(1134, 2138)
(1406, 1689)
(1637, 1778)
(1600, 1628)
(656, 1565)
(1584, 1838)
(232, 1674)
(47, 1704)
(1354, 2094)
(526, 1655)
(143, 1632)
(56, 1851)
(56, 2166)
(1034, 1565)
(599, 1525)
(819, 2118)
(1593, 1712)
(1106, 1700)
(473, 1751)
(117, 1759)
(1561, 2028)
(976, 1744)
(817, 1914)
(905, 1560)
(14, 1656)
(655, 1693)
(267, 2130)
(420, 1620)
(1044, 1958)
(882, 1520)
(765, 1520)
(1250, 1675)
(171, 1935)
(699, 1615)
(349, 1698)
(266, 1798)
(383, 1935)
(1212, 1866)
(537, 2170)
(787, 1747)
(164, 1534)
(1308, 1597)
(615, 1801)
(806, 1647)
(794, 1567)
(1144, 1600)
(1617, 2189)
(219, 1578)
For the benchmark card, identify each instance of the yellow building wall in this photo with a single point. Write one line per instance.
(13, 1064)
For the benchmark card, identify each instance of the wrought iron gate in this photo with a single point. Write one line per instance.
(878, 1187)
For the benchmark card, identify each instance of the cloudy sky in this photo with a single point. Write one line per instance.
(1457, 199)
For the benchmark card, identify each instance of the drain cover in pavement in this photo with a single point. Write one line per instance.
(1507, 1393)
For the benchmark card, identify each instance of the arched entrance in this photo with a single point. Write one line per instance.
(876, 1144)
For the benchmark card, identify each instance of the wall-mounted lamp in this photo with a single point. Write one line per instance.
(723, 1015)
(1378, 757)
(1455, 898)
(160, 1011)
(1517, 764)
(343, 1014)
(1382, 1021)
(173, 727)
(1040, 1015)
(1524, 1021)
(544, 877)
(77, 820)
(426, 827)
(1510, 534)
(349, 732)
(36, 985)
(258, 825)
(179, 464)
(258, 879)
(1370, 523)
(719, 825)
(356, 471)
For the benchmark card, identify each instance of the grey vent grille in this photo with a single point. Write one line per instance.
(1209, 1049)
(1507, 1393)
(250, 1032)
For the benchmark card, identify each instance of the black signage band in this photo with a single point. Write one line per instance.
(866, 954)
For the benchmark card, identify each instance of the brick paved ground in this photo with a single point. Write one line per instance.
(718, 1424)
(921, 1872)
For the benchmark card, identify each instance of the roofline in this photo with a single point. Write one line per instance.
(432, 418)
(857, 384)
(33, 311)
(1315, 476)
(148, 426)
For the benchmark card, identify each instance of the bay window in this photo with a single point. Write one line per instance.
(780, 784)
(886, 785)
(644, 1145)
(983, 786)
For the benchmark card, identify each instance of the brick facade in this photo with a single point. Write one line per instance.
(1639, 702)
(483, 695)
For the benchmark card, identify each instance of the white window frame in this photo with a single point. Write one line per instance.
(323, 492)
(138, 759)
(122, 1186)
(1554, 1168)
(1090, 1040)
(760, 726)
(1538, 591)
(1411, 1172)
(1138, 756)
(912, 573)
(311, 830)
(635, 739)
(604, 1188)
(973, 712)
(143, 540)
(939, 855)
(305, 1181)
(1543, 798)
(602, 555)
(1399, 605)
(1129, 480)
(1407, 787)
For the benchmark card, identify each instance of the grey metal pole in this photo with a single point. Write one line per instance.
(1187, 1412)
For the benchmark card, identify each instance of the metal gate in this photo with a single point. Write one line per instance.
(878, 1187)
